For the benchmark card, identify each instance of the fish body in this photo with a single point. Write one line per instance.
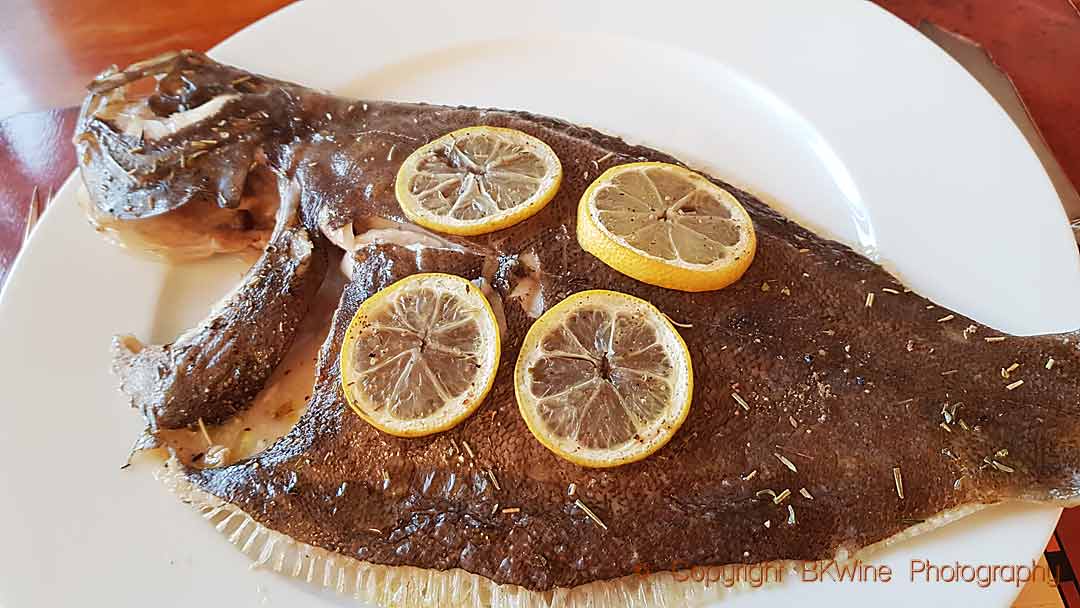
(833, 411)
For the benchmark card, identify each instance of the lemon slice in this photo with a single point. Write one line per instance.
(477, 180)
(603, 379)
(420, 355)
(667, 226)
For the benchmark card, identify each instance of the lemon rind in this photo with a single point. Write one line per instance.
(677, 275)
(499, 221)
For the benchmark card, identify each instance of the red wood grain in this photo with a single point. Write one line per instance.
(49, 50)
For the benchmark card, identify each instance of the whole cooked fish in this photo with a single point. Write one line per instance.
(835, 410)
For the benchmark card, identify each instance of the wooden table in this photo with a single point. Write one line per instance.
(49, 49)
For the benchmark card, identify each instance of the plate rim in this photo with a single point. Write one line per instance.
(16, 274)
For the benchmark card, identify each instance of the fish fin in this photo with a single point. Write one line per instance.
(410, 587)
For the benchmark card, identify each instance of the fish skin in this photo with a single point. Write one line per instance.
(866, 386)
(216, 369)
(135, 176)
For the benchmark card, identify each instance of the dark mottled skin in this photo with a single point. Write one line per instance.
(136, 177)
(865, 387)
(216, 370)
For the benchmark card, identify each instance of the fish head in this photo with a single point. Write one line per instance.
(172, 152)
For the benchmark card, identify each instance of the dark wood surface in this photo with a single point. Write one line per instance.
(49, 50)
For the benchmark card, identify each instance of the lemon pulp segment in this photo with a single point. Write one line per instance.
(420, 355)
(603, 379)
(667, 226)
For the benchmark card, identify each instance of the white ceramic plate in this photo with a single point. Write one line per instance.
(836, 112)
